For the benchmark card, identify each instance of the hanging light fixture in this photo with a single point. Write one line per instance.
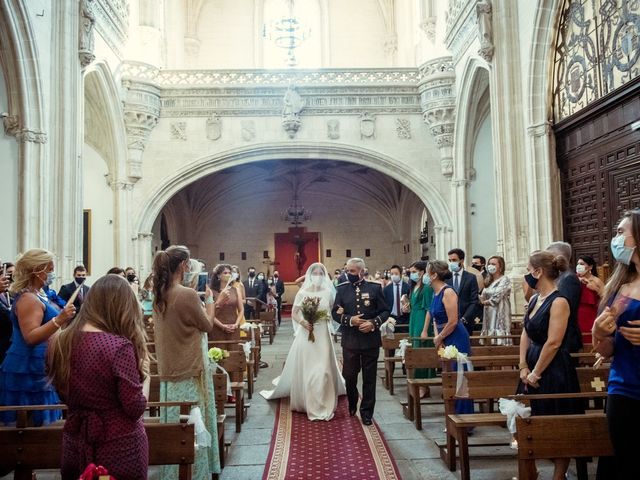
(287, 32)
(295, 214)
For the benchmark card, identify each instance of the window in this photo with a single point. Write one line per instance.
(367, 252)
(348, 253)
(328, 253)
(222, 256)
(243, 255)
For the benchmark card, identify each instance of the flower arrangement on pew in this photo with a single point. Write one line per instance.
(449, 353)
(216, 354)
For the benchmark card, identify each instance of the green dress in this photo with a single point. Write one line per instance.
(420, 303)
(207, 459)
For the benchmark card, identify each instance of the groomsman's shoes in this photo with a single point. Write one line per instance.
(352, 412)
(367, 421)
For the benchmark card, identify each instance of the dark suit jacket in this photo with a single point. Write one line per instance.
(259, 289)
(362, 298)
(468, 302)
(279, 288)
(405, 289)
(570, 288)
(342, 278)
(67, 290)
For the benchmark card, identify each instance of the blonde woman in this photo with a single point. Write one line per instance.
(35, 319)
(98, 365)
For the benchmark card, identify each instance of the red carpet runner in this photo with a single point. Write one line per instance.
(342, 449)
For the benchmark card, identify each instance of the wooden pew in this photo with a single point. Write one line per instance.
(389, 345)
(24, 449)
(236, 345)
(269, 323)
(560, 436)
(220, 389)
(418, 358)
(494, 384)
(235, 365)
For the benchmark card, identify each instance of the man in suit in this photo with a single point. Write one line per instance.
(343, 276)
(279, 285)
(360, 309)
(79, 277)
(466, 286)
(393, 292)
(253, 288)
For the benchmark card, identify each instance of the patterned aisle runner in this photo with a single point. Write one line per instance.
(341, 449)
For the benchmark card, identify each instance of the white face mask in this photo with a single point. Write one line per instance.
(581, 269)
(316, 280)
(396, 278)
(492, 269)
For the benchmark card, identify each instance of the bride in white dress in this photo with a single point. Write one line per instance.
(311, 376)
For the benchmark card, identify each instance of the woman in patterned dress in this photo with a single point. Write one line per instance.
(97, 365)
(495, 298)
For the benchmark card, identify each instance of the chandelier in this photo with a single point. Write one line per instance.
(296, 214)
(288, 32)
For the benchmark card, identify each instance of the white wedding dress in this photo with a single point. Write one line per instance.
(311, 376)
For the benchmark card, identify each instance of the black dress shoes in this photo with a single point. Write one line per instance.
(367, 421)
(352, 412)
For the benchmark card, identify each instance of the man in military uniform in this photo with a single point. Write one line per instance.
(360, 309)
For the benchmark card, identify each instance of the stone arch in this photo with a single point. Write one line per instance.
(101, 93)
(545, 216)
(413, 179)
(18, 58)
(472, 107)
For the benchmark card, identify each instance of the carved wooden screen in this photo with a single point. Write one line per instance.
(599, 158)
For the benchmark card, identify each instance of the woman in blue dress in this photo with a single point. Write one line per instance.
(444, 313)
(616, 333)
(22, 374)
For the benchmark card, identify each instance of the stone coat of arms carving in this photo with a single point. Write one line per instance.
(367, 126)
(214, 127)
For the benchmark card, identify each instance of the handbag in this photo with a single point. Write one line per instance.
(95, 472)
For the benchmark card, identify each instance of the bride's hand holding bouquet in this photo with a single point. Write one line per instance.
(312, 314)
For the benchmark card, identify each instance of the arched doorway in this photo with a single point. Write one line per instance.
(427, 194)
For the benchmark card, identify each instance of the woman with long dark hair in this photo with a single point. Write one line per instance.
(229, 308)
(98, 364)
(181, 325)
(616, 333)
(419, 303)
(591, 290)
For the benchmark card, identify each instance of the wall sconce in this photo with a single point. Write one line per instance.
(472, 209)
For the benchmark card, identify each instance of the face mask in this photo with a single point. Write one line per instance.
(426, 280)
(353, 278)
(270, 282)
(131, 277)
(50, 278)
(225, 277)
(580, 269)
(477, 267)
(492, 269)
(234, 276)
(454, 267)
(414, 276)
(252, 274)
(531, 280)
(260, 277)
(316, 280)
(396, 278)
(276, 276)
(80, 280)
(620, 251)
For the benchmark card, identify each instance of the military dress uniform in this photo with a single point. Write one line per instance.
(360, 350)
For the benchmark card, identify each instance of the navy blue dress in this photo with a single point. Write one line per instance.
(459, 338)
(560, 376)
(23, 380)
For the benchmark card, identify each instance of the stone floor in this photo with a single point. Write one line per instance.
(415, 452)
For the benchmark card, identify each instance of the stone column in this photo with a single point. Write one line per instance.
(144, 255)
(67, 135)
(438, 100)
(141, 112)
(444, 237)
(122, 227)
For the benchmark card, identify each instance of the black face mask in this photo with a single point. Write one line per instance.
(252, 274)
(275, 276)
(353, 278)
(80, 280)
(477, 267)
(131, 277)
(531, 280)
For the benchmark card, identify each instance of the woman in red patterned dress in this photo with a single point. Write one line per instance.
(592, 288)
(97, 365)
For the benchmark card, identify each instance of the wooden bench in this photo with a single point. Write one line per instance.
(491, 385)
(269, 323)
(418, 358)
(220, 390)
(388, 346)
(561, 436)
(25, 449)
(235, 365)
(237, 345)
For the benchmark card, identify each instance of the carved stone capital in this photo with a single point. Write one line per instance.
(540, 130)
(13, 127)
(438, 101)
(428, 26)
(85, 37)
(145, 236)
(120, 185)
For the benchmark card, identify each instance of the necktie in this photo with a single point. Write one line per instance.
(398, 300)
(456, 281)
(81, 295)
